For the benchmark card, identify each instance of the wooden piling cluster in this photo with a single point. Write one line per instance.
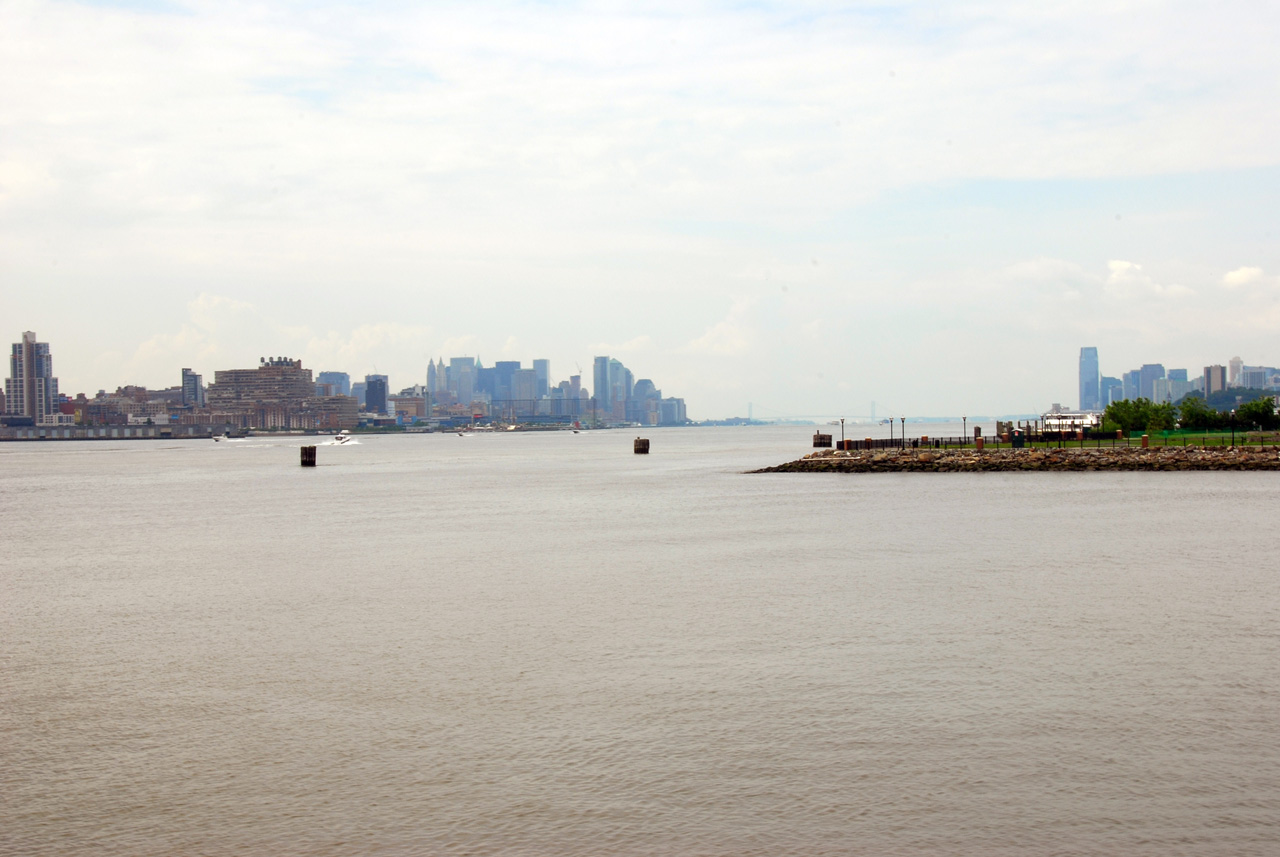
(642, 446)
(308, 456)
(821, 441)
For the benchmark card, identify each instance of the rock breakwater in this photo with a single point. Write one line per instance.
(1007, 460)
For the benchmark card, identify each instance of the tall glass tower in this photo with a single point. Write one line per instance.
(1090, 400)
(31, 390)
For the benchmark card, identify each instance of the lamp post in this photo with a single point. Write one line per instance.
(904, 432)
(964, 431)
(842, 432)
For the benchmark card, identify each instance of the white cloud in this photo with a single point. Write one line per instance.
(1241, 277)
(732, 336)
(1128, 280)
(634, 345)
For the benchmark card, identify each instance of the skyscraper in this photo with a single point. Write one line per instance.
(31, 390)
(1110, 390)
(1147, 377)
(1089, 377)
(192, 389)
(542, 369)
(1131, 385)
(602, 388)
(341, 382)
(462, 378)
(1235, 364)
(375, 394)
(1215, 379)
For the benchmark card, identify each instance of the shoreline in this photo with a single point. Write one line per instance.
(1172, 458)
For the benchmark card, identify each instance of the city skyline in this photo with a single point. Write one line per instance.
(1154, 382)
(281, 393)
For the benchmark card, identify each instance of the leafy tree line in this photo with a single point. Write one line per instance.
(1191, 414)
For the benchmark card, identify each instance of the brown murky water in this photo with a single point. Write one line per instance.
(541, 644)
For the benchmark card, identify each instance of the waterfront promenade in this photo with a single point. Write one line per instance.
(971, 460)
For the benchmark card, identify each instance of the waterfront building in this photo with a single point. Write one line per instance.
(277, 379)
(193, 395)
(280, 393)
(31, 391)
(375, 394)
(408, 408)
(1089, 380)
(673, 413)
(1215, 379)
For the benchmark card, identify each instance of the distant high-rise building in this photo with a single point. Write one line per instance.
(357, 392)
(375, 394)
(1131, 384)
(1147, 376)
(1171, 389)
(192, 389)
(1254, 377)
(1177, 375)
(431, 377)
(31, 390)
(602, 387)
(542, 371)
(1215, 379)
(340, 381)
(524, 384)
(1110, 390)
(1089, 376)
(1235, 364)
(462, 379)
(504, 372)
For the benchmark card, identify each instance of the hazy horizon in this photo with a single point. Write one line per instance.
(805, 206)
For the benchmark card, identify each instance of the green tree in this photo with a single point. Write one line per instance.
(1161, 417)
(1139, 415)
(1196, 415)
(1259, 412)
(1124, 414)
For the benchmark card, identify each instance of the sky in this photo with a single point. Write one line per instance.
(801, 207)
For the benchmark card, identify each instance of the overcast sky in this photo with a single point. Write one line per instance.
(808, 206)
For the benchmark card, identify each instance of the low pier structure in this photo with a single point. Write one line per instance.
(1007, 460)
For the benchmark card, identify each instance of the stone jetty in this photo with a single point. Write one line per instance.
(1007, 460)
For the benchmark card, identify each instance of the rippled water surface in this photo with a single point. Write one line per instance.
(531, 644)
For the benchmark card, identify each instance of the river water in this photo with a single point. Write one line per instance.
(542, 644)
